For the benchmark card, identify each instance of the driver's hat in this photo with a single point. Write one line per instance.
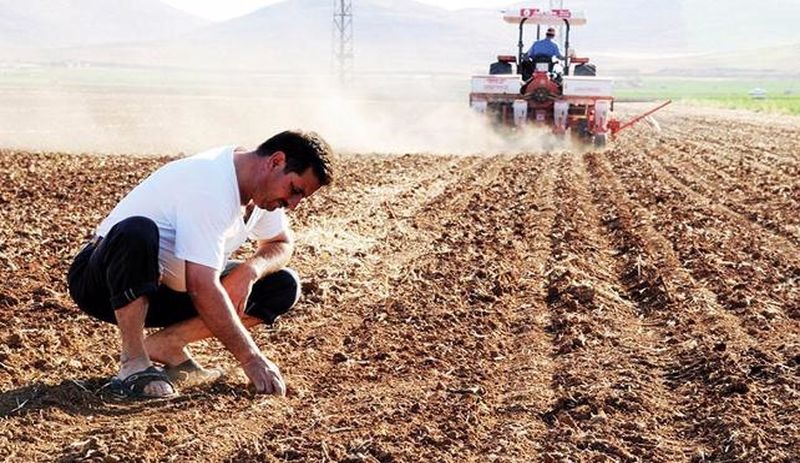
(551, 31)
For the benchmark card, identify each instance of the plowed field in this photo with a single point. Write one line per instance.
(640, 303)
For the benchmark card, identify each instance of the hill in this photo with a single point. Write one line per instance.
(67, 23)
(404, 36)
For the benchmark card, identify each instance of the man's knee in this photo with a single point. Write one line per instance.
(292, 285)
(274, 295)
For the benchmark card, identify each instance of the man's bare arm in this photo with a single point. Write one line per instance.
(271, 255)
(217, 312)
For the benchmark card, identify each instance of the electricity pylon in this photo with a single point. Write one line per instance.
(343, 41)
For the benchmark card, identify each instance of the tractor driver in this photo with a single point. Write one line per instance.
(545, 49)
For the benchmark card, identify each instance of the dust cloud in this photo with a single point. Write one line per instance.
(397, 127)
(392, 117)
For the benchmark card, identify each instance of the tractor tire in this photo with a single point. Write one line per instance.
(600, 140)
(581, 131)
(500, 68)
(586, 70)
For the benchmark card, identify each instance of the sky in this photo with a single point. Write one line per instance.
(220, 10)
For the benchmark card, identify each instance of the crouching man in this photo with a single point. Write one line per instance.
(160, 259)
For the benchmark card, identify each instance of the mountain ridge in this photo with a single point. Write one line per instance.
(295, 35)
(68, 23)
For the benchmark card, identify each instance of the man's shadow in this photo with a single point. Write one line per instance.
(91, 396)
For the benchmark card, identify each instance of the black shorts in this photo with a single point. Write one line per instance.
(111, 272)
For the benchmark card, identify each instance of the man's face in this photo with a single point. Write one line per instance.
(283, 189)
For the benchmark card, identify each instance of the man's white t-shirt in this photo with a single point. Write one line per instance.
(196, 205)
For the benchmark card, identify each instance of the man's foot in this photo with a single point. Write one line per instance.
(134, 386)
(166, 349)
(191, 373)
(180, 367)
(140, 377)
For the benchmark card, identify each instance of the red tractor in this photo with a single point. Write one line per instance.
(566, 95)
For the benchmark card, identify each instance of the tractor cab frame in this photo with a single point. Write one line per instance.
(558, 17)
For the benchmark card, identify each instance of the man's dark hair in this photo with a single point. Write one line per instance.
(302, 150)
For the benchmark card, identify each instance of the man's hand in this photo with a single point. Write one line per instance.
(238, 284)
(265, 376)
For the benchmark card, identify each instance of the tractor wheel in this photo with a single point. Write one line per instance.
(600, 140)
(581, 130)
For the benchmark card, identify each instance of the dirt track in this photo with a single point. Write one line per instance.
(636, 304)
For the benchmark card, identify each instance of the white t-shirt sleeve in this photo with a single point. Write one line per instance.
(200, 231)
(269, 225)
